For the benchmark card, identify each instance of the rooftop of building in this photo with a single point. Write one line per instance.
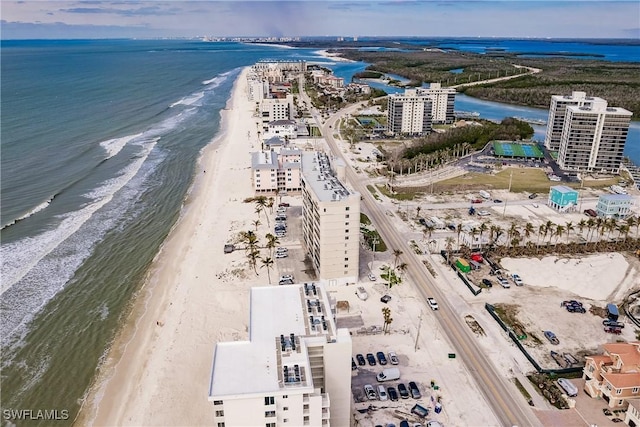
(282, 123)
(598, 106)
(316, 169)
(283, 320)
(563, 189)
(626, 380)
(264, 160)
(615, 197)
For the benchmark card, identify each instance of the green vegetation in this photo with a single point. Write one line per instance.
(617, 82)
(367, 74)
(400, 194)
(371, 236)
(373, 191)
(364, 219)
(522, 179)
(524, 391)
(314, 131)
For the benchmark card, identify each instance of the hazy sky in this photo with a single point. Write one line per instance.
(515, 18)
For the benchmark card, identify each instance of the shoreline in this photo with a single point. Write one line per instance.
(189, 299)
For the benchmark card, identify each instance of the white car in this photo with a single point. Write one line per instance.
(432, 303)
(282, 250)
(484, 213)
(503, 282)
(382, 393)
(286, 277)
(517, 280)
(372, 277)
(393, 358)
(281, 255)
(370, 392)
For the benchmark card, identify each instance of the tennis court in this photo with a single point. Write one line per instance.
(515, 150)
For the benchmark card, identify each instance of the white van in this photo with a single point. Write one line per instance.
(568, 387)
(382, 393)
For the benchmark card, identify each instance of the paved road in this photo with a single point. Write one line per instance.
(510, 410)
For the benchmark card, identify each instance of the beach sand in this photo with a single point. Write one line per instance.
(159, 367)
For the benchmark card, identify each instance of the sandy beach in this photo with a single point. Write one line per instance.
(159, 367)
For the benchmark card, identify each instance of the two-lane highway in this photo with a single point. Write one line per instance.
(508, 408)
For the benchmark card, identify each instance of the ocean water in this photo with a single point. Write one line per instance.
(99, 145)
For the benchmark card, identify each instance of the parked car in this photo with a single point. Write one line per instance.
(393, 358)
(370, 392)
(393, 395)
(385, 299)
(281, 254)
(372, 277)
(613, 323)
(432, 303)
(381, 358)
(611, 330)
(415, 391)
(503, 282)
(484, 213)
(590, 212)
(533, 195)
(497, 201)
(360, 359)
(476, 201)
(284, 205)
(353, 365)
(404, 423)
(571, 302)
(517, 280)
(371, 359)
(402, 390)
(487, 283)
(576, 309)
(382, 393)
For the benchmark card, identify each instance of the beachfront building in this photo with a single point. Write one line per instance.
(295, 368)
(279, 71)
(442, 102)
(614, 376)
(283, 128)
(409, 113)
(278, 108)
(257, 87)
(616, 206)
(330, 220)
(557, 113)
(276, 172)
(593, 138)
(562, 198)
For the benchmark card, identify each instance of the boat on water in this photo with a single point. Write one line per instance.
(551, 337)
(466, 114)
(532, 121)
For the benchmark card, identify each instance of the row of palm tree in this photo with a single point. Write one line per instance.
(427, 161)
(599, 232)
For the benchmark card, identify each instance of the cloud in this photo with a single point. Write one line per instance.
(141, 11)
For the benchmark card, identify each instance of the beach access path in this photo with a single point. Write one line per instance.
(159, 368)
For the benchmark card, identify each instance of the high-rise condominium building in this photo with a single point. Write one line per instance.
(557, 113)
(330, 220)
(409, 113)
(295, 369)
(593, 137)
(414, 111)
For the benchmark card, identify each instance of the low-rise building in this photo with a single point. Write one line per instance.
(616, 206)
(283, 128)
(614, 376)
(562, 198)
(632, 416)
(276, 172)
(295, 368)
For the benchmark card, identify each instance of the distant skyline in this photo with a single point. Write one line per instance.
(442, 18)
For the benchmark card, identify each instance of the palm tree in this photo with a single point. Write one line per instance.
(560, 229)
(459, 230)
(418, 212)
(261, 204)
(528, 230)
(591, 223)
(449, 246)
(569, 228)
(270, 203)
(483, 227)
(582, 225)
(268, 264)
(542, 231)
(631, 221)
(396, 256)
(272, 242)
(256, 223)
(254, 256)
(513, 229)
(402, 267)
